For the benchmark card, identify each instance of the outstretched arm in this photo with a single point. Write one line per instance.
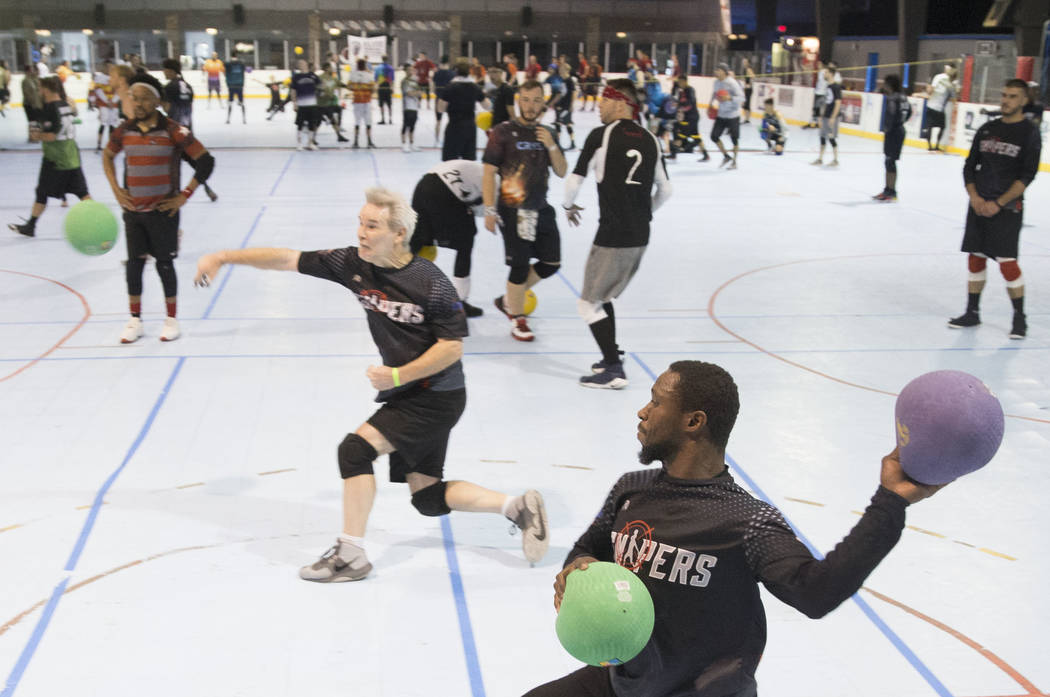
(272, 258)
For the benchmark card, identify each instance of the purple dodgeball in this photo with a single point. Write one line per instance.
(948, 424)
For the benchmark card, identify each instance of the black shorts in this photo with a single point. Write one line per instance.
(417, 423)
(722, 125)
(995, 237)
(540, 242)
(461, 140)
(386, 98)
(408, 124)
(308, 116)
(444, 220)
(56, 183)
(5, 96)
(152, 232)
(892, 143)
(589, 681)
(934, 118)
(237, 92)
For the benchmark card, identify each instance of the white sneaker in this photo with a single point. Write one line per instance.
(405, 147)
(171, 329)
(312, 146)
(415, 148)
(132, 331)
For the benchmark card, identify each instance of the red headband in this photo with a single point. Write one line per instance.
(613, 93)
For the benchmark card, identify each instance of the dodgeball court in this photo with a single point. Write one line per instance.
(157, 500)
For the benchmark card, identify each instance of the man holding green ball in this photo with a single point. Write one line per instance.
(701, 544)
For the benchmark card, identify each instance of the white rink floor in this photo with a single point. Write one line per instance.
(156, 500)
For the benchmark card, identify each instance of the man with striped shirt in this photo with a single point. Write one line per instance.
(153, 146)
(627, 162)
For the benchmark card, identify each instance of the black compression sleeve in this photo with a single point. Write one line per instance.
(202, 167)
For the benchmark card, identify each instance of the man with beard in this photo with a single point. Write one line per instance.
(701, 544)
(521, 151)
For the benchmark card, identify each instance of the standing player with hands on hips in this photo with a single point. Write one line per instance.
(418, 324)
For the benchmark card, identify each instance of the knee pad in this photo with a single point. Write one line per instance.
(891, 166)
(430, 501)
(833, 143)
(1010, 270)
(976, 264)
(823, 140)
(590, 312)
(355, 456)
(518, 275)
(544, 270)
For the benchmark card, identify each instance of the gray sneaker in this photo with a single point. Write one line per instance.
(330, 568)
(532, 521)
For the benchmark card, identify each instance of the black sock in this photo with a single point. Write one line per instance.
(32, 221)
(1018, 304)
(604, 331)
(973, 300)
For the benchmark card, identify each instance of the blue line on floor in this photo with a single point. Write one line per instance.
(89, 524)
(281, 175)
(470, 651)
(897, 642)
(229, 268)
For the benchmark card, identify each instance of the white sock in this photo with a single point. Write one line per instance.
(512, 507)
(352, 548)
(462, 286)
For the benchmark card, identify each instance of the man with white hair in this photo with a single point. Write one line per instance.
(418, 324)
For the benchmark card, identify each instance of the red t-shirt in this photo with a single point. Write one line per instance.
(423, 68)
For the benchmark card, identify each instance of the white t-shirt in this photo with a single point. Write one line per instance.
(943, 89)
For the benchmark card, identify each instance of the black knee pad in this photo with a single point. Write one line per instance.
(891, 166)
(430, 501)
(355, 456)
(823, 140)
(518, 274)
(543, 269)
(168, 279)
(833, 143)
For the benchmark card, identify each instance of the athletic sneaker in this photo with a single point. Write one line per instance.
(612, 378)
(732, 165)
(24, 229)
(171, 329)
(532, 521)
(405, 147)
(519, 329)
(1020, 328)
(330, 568)
(967, 319)
(499, 306)
(726, 159)
(601, 365)
(817, 161)
(885, 196)
(132, 331)
(472, 310)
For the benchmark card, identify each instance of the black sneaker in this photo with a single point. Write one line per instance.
(472, 310)
(612, 377)
(967, 319)
(1020, 328)
(23, 229)
(601, 365)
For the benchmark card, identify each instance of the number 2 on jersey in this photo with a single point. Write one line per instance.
(637, 157)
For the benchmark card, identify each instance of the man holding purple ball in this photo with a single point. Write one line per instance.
(701, 544)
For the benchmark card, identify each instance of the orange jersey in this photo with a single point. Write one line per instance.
(361, 85)
(63, 72)
(214, 68)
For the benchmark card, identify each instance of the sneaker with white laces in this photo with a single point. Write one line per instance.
(532, 521)
(519, 329)
(132, 331)
(171, 329)
(331, 568)
(612, 377)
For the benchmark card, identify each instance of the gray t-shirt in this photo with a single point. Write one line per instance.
(729, 108)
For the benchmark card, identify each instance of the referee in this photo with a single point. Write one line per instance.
(418, 325)
(627, 162)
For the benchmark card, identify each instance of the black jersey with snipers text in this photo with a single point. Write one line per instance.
(408, 309)
(1001, 154)
(626, 159)
(701, 547)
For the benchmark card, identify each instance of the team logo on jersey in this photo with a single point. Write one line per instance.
(999, 147)
(376, 301)
(632, 544)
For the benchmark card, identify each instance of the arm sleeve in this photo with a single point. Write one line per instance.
(973, 159)
(572, 188)
(596, 541)
(816, 587)
(330, 264)
(1032, 150)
